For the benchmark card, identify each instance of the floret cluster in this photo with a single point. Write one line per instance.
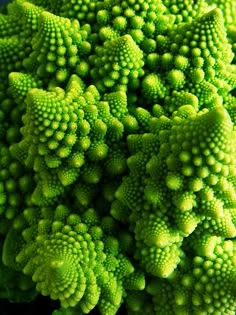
(118, 155)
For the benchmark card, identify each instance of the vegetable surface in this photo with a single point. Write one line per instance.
(118, 155)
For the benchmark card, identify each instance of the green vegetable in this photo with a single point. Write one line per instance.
(118, 155)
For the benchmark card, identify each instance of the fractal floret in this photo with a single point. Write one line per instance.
(118, 156)
(71, 258)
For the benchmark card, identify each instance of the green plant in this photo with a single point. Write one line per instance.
(118, 155)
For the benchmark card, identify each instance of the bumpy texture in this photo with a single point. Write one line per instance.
(70, 258)
(118, 155)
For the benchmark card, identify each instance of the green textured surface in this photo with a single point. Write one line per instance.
(118, 157)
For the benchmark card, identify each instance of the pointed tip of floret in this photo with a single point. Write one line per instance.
(214, 16)
(220, 114)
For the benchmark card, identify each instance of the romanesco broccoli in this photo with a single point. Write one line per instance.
(118, 155)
